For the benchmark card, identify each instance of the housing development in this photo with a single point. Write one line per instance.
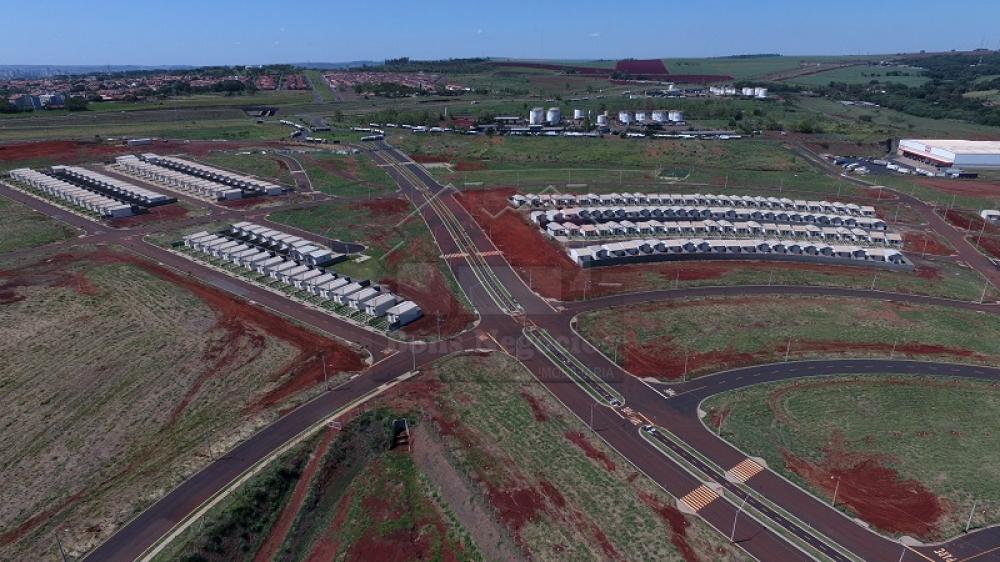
(536, 307)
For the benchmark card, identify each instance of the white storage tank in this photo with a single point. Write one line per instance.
(536, 116)
(760, 92)
(675, 116)
(578, 114)
(659, 116)
(624, 117)
(553, 116)
(602, 120)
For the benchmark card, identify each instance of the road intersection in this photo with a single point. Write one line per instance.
(656, 427)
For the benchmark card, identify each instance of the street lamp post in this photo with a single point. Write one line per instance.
(835, 490)
(732, 536)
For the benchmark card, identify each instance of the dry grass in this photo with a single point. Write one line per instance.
(101, 366)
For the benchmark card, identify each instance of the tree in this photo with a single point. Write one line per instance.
(76, 104)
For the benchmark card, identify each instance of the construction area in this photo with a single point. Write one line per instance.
(621, 228)
(298, 267)
(194, 179)
(88, 191)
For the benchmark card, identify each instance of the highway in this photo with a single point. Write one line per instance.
(778, 520)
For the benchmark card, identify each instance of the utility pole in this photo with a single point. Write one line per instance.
(982, 297)
(732, 536)
(62, 552)
(927, 240)
(874, 280)
(788, 349)
(971, 513)
(326, 379)
(981, 231)
(893, 352)
(685, 374)
(770, 278)
(835, 490)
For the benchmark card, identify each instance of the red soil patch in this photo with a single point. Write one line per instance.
(325, 547)
(678, 525)
(170, 212)
(72, 151)
(641, 66)
(276, 536)
(50, 273)
(990, 246)
(536, 406)
(922, 242)
(716, 417)
(659, 358)
(927, 272)
(545, 266)
(438, 303)
(970, 222)
(872, 490)
(430, 158)
(553, 494)
(592, 452)
(392, 205)
(516, 506)
(469, 166)
(962, 187)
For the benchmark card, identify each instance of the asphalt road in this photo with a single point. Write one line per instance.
(492, 285)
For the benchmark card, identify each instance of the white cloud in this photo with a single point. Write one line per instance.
(594, 34)
(479, 31)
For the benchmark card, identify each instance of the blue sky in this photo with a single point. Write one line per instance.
(254, 31)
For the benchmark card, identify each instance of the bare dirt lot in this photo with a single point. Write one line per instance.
(121, 377)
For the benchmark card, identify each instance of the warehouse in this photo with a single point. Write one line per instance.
(990, 215)
(952, 152)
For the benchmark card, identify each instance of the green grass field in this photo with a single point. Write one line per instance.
(254, 163)
(939, 432)
(514, 438)
(348, 176)
(24, 228)
(656, 337)
(749, 68)
(346, 495)
(610, 164)
(320, 84)
(861, 75)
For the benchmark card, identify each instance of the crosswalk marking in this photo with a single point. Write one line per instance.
(744, 471)
(463, 254)
(698, 499)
